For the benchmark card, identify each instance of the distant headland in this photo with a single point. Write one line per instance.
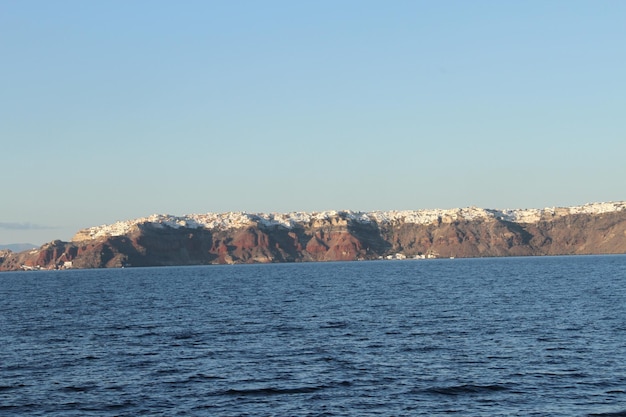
(239, 237)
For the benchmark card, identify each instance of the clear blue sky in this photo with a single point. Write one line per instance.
(111, 110)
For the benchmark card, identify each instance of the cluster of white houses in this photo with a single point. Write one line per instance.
(64, 265)
(401, 256)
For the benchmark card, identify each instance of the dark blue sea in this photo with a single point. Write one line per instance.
(467, 337)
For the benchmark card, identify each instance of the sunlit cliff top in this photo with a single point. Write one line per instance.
(234, 220)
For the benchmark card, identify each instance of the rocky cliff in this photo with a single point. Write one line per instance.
(334, 236)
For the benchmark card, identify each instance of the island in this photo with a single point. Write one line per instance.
(240, 237)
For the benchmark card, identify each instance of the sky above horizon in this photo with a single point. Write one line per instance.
(116, 110)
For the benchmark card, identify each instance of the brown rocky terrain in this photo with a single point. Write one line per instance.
(338, 236)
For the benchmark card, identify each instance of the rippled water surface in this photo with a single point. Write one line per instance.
(471, 337)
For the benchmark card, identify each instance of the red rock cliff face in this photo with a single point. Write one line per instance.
(335, 246)
(461, 239)
(580, 234)
(334, 239)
